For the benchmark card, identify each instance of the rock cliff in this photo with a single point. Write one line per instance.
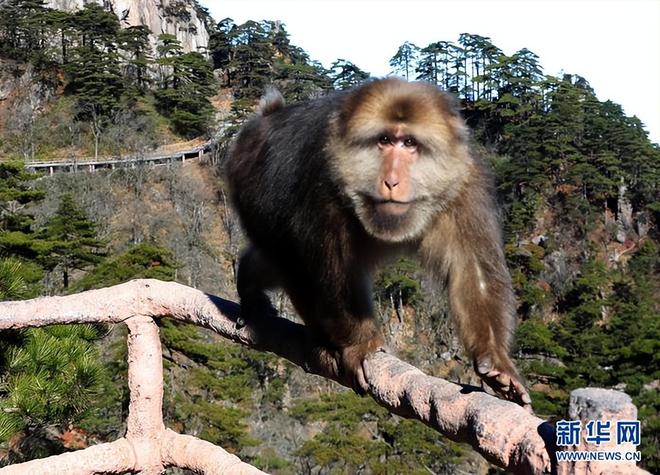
(185, 19)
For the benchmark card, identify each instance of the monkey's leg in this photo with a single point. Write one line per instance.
(346, 357)
(255, 275)
(342, 329)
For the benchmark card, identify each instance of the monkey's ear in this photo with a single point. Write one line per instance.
(270, 102)
(450, 103)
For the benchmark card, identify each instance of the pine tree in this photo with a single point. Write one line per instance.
(50, 376)
(346, 75)
(168, 48)
(405, 60)
(433, 64)
(184, 92)
(134, 41)
(253, 60)
(93, 69)
(18, 242)
(140, 261)
(301, 81)
(71, 240)
(95, 27)
(221, 47)
(23, 28)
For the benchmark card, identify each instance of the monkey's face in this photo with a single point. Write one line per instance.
(399, 152)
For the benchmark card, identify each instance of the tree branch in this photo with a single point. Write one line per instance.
(504, 433)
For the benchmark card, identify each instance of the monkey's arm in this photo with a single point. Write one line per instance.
(465, 250)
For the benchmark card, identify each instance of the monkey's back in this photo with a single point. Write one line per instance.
(281, 182)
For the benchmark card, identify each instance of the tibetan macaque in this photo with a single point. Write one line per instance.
(328, 189)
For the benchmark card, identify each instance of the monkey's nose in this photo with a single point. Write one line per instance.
(391, 183)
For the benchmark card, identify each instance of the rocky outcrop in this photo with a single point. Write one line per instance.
(605, 406)
(183, 18)
(21, 97)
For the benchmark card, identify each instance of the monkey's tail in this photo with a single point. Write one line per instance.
(270, 102)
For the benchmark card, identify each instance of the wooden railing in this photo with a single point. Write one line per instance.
(502, 432)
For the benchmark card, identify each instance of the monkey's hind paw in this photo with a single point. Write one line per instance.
(353, 363)
(255, 311)
(346, 365)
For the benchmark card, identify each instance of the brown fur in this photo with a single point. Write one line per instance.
(327, 190)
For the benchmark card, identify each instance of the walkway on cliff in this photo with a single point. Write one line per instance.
(91, 164)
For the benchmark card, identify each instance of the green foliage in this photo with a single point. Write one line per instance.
(93, 67)
(414, 448)
(18, 275)
(95, 26)
(347, 451)
(14, 186)
(220, 43)
(226, 372)
(24, 27)
(70, 240)
(12, 282)
(359, 433)
(107, 412)
(51, 376)
(300, 81)
(397, 283)
(140, 261)
(585, 302)
(219, 389)
(186, 83)
(344, 407)
(404, 60)
(15, 192)
(648, 412)
(526, 265)
(270, 462)
(633, 342)
(533, 336)
(521, 215)
(223, 426)
(346, 75)
(252, 58)
(134, 42)
(252, 55)
(609, 334)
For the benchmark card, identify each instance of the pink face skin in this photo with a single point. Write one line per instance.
(398, 152)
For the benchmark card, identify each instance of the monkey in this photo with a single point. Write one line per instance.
(326, 190)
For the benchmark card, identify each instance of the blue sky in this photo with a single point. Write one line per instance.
(614, 44)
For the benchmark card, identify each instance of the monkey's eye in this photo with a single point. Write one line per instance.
(410, 142)
(384, 140)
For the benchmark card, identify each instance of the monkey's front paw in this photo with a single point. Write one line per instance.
(504, 380)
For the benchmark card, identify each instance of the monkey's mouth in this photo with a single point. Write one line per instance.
(391, 220)
(390, 207)
(393, 207)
